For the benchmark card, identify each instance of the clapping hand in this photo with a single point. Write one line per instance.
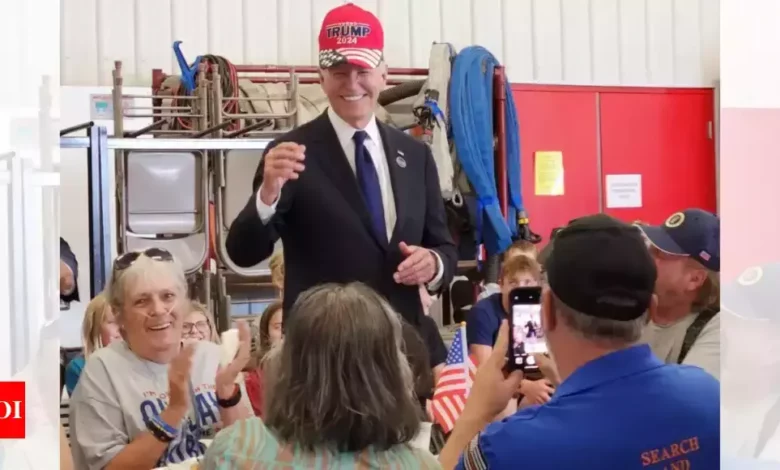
(179, 378)
(226, 376)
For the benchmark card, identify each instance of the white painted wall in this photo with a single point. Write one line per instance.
(599, 42)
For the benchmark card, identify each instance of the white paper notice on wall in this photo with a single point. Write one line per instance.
(624, 191)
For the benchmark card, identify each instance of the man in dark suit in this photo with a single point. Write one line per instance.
(351, 198)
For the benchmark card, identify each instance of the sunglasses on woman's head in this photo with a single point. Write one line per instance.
(126, 260)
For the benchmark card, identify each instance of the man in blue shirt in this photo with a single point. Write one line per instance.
(618, 405)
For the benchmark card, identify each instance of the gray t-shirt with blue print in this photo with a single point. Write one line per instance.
(117, 394)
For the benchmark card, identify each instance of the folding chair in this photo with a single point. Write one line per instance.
(162, 197)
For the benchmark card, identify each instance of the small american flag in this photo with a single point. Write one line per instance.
(454, 384)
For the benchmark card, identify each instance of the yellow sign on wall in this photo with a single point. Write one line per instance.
(548, 173)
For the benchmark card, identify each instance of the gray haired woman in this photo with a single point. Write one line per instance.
(147, 401)
(339, 392)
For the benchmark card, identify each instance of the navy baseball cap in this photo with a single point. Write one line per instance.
(692, 232)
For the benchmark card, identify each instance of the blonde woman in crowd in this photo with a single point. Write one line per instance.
(147, 401)
(269, 334)
(199, 324)
(340, 390)
(98, 329)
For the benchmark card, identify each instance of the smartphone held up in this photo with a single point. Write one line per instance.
(527, 335)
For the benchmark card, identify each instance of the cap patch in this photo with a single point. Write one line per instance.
(675, 220)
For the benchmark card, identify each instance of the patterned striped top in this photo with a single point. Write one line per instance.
(249, 444)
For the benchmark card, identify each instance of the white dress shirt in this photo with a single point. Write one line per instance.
(376, 149)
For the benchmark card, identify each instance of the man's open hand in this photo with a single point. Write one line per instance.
(419, 267)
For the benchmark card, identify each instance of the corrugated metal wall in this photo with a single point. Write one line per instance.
(600, 42)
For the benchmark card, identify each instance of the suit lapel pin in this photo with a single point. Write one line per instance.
(400, 159)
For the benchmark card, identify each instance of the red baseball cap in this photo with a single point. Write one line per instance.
(351, 35)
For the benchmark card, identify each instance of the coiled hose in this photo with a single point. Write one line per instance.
(230, 89)
(471, 115)
(471, 118)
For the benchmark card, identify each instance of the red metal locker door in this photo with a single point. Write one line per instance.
(664, 135)
(559, 120)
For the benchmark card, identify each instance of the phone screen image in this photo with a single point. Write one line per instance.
(527, 334)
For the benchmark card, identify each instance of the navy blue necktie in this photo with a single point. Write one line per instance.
(368, 179)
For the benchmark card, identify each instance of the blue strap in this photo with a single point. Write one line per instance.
(433, 105)
(188, 72)
(169, 430)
